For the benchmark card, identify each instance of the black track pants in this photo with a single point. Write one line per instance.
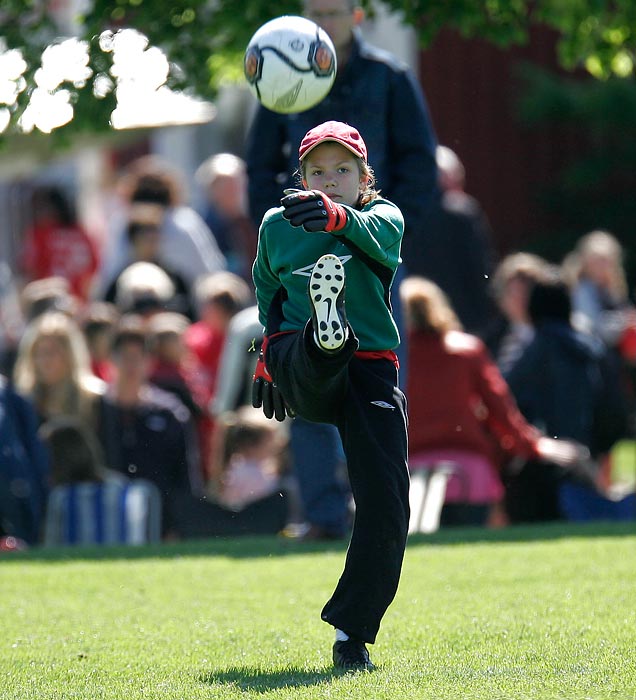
(362, 399)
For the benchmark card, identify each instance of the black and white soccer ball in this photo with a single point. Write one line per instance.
(290, 64)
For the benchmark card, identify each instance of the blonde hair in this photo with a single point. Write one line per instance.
(78, 394)
(602, 244)
(369, 193)
(527, 266)
(427, 308)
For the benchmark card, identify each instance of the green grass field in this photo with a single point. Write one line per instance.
(544, 612)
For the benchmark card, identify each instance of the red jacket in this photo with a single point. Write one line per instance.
(52, 249)
(459, 400)
(206, 346)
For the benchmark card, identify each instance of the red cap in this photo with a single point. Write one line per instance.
(341, 133)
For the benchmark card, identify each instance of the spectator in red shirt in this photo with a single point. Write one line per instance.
(220, 296)
(56, 244)
(461, 409)
(168, 369)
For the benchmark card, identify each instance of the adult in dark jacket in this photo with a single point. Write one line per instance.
(561, 387)
(380, 96)
(377, 94)
(455, 248)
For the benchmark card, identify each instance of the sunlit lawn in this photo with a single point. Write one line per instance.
(521, 613)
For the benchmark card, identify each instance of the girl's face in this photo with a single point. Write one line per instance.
(333, 169)
(50, 361)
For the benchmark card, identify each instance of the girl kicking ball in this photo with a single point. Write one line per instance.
(338, 239)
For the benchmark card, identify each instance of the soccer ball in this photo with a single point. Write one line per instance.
(290, 64)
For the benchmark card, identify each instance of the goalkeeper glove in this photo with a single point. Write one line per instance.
(265, 393)
(313, 210)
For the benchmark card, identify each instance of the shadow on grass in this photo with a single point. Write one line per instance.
(256, 680)
(244, 547)
(271, 546)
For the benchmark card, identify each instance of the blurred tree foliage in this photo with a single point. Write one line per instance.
(204, 39)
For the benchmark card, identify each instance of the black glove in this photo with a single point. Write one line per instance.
(265, 393)
(313, 210)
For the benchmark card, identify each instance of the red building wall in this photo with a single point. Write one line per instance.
(472, 88)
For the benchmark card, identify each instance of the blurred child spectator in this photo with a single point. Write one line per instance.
(511, 285)
(223, 178)
(145, 432)
(74, 452)
(23, 469)
(250, 459)
(219, 298)
(461, 410)
(144, 237)
(249, 492)
(56, 244)
(233, 388)
(89, 503)
(98, 321)
(53, 369)
(48, 294)
(563, 386)
(600, 300)
(187, 245)
(455, 248)
(166, 332)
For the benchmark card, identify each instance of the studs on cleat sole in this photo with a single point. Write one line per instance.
(325, 287)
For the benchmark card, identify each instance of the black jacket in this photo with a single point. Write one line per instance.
(24, 467)
(456, 251)
(565, 385)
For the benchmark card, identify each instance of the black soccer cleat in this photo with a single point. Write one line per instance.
(326, 294)
(352, 655)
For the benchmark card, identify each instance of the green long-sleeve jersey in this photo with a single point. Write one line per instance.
(369, 247)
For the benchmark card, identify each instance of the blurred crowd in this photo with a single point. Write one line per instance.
(125, 371)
